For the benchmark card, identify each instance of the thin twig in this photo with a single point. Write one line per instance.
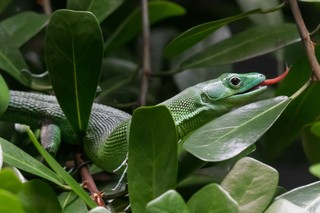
(46, 5)
(305, 37)
(146, 65)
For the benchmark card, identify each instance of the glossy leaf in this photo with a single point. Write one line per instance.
(70, 203)
(250, 43)
(23, 26)
(100, 209)
(131, 26)
(212, 198)
(9, 181)
(315, 170)
(311, 144)
(37, 196)
(198, 33)
(152, 171)
(288, 127)
(9, 202)
(252, 184)
(74, 56)
(284, 206)
(11, 59)
(306, 197)
(101, 8)
(230, 134)
(4, 98)
(16, 157)
(169, 202)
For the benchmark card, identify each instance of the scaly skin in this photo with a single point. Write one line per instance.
(106, 140)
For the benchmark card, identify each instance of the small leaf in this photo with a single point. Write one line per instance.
(248, 44)
(152, 155)
(74, 56)
(198, 33)
(305, 197)
(315, 170)
(23, 26)
(37, 196)
(16, 157)
(168, 202)
(230, 134)
(212, 198)
(131, 26)
(101, 9)
(4, 97)
(252, 184)
(70, 203)
(9, 202)
(9, 181)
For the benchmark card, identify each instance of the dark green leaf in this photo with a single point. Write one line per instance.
(252, 184)
(9, 202)
(168, 202)
(101, 9)
(4, 4)
(315, 170)
(14, 156)
(311, 144)
(37, 196)
(9, 181)
(250, 43)
(315, 128)
(305, 197)
(198, 33)
(4, 98)
(230, 134)
(152, 155)
(212, 198)
(132, 25)
(74, 56)
(11, 59)
(24, 26)
(70, 203)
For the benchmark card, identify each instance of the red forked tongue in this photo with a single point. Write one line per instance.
(276, 79)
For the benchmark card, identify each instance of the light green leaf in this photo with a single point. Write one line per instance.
(168, 202)
(198, 33)
(4, 98)
(16, 157)
(9, 202)
(212, 198)
(9, 181)
(252, 184)
(247, 44)
(284, 206)
(131, 26)
(23, 26)
(230, 134)
(315, 170)
(306, 197)
(100, 8)
(1, 157)
(74, 56)
(152, 171)
(70, 203)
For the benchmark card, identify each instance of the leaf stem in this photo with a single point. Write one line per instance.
(302, 89)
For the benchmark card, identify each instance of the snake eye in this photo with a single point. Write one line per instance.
(235, 81)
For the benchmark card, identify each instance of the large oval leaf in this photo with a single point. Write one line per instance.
(230, 134)
(153, 162)
(250, 43)
(74, 50)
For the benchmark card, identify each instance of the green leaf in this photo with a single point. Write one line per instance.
(284, 206)
(1, 157)
(9, 202)
(252, 184)
(152, 155)
(37, 196)
(168, 202)
(315, 170)
(9, 181)
(131, 26)
(4, 98)
(70, 203)
(212, 198)
(230, 134)
(100, 209)
(311, 144)
(11, 59)
(306, 197)
(23, 26)
(198, 33)
(247, 44)
(100, 8)
(16, 157)
(315, 128)
(74, 56)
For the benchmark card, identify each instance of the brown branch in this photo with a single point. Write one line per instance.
(146, 65)
(305, 37)
(46, 5)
